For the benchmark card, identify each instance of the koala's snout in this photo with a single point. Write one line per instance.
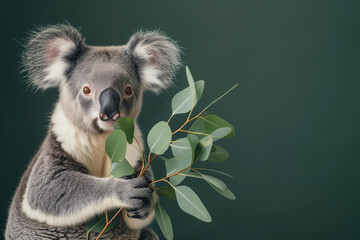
(109, 105)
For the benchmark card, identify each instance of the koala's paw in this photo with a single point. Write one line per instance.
(143, 211)
(138, 197)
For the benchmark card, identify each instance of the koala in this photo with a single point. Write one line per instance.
(66, 182)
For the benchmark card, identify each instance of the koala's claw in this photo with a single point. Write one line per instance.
(137, 213)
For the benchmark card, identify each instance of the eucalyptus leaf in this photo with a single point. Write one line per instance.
(159, 138)
(218, 155)
(98, 223)
(127, 125)
(121, 169)
(205, 146)
(209, 179)
(164, 221)
(177, 179)
(115, 146)
(226, 193)
(175, 165)
(193, 141)
(183, 102)
(182, 160)
(220, 133)
(213, 170)
(213, 122)
(183, 153)
(167, 192)
(190, 203)
(215, 183)
(197, 126)
(192, 174)
(191, 85)
(181, 148)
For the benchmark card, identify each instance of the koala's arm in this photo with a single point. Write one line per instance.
(61, 193)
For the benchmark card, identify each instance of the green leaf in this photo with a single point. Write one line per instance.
(218, 155)
(194, 141)
(115, 146)
(198, 124)
(127, 125)
(205, 146)
(192, 174)
(190, 203)
(213, 122)
(220, 133)
(164, 221)
(181, 149)
(215, 183)
(210, 179)
(184, 148)
(120, 169)
(191, 85)
(226, 193)
(167, 192)
(159, 138)
(177, 179)
(174, 165)
(183, 102)
(213, 170)
(98, 223)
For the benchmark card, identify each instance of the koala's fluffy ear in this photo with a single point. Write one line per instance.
(156, 58)
(48, 54)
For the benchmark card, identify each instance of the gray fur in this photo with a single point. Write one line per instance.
(161, 49)
(34, 57)
(55, 182)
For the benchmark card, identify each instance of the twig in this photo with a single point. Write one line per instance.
(109, 223)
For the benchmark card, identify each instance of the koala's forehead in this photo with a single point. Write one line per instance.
(103, 66)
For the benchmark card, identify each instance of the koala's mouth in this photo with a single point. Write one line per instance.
(106, 125)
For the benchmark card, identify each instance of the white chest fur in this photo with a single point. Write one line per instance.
(89, 149)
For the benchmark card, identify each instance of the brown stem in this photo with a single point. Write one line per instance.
(162, 179)
(109, 223)
(181, 127)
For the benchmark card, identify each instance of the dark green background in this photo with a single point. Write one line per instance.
(295, 156)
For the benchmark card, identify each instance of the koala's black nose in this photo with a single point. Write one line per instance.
(109, 105)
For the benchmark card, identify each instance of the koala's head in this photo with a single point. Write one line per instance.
(99, 84)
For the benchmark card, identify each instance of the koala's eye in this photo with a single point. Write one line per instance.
(86, 90)
(128, 91)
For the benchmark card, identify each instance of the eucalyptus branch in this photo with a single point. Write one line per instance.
(200, 137)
